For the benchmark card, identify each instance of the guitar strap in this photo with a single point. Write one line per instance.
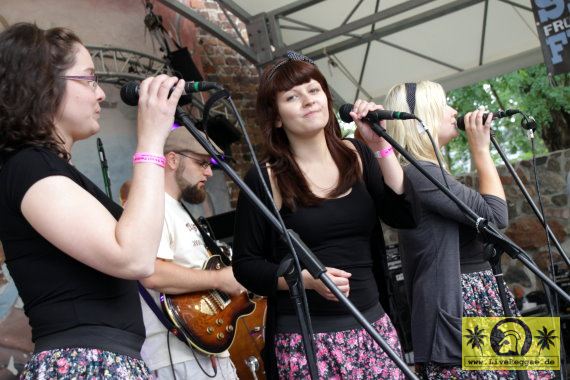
(208, 241)
(159, 314)
(213, 247)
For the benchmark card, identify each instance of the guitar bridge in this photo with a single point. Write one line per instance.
(221, 299)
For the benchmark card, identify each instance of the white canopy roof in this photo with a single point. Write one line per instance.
(366, 46)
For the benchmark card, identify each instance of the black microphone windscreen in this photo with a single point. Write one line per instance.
(130, 93)
(496, 115)
(344, 113)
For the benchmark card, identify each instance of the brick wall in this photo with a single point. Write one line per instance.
(219, 63)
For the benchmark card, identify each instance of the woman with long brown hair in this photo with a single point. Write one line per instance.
(331, 191)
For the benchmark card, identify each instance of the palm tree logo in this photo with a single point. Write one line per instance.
(545, 339)
(475, 338)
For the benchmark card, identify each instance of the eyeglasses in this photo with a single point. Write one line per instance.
(203, 163)
(92, 80)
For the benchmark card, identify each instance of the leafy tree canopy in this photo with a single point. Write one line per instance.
(529, 90)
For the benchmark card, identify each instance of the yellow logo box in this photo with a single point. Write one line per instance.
(513, 343)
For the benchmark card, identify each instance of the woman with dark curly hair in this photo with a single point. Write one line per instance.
(331, 191)
(72, 252)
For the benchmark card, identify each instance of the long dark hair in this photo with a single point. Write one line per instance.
(31, 90)
(282, 76)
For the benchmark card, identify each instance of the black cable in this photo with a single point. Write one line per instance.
(193, 354)
(274, 209)
(555, 304)
(528, 123)
(436, 151)
(277, 216)
(540, 204)
(170, 354)
(202, 368)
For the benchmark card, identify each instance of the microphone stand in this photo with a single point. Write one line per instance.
(289, 270)
(486, 231)
(104, 168)
(529, 199)
(552, 306)
(309, 260)
(494, 258)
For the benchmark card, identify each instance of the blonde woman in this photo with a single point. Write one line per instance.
(446, 275)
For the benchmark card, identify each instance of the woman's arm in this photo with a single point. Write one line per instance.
(75, 222)
(479, 137)
(396, 210)
(253, 240)
(391, 169)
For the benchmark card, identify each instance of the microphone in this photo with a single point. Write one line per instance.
(374, 116)
(496, 115)
(104, 168)
(102, 157)
(130, 91)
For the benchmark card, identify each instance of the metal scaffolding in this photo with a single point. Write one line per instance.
(265, 32)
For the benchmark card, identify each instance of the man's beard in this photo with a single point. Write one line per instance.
(190, 193)
(193, 194)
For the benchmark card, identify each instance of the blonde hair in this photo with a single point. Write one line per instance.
(430, 102)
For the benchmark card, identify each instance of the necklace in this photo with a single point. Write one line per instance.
(318, 186)
(323, 188)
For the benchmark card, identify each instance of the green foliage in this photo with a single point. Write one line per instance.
(346, 129)
(528, 90)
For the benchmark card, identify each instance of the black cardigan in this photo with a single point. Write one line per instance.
(254, 256)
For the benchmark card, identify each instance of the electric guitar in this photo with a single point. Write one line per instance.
(207, 319)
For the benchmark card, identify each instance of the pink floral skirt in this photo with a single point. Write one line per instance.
(350, 354)
(84, 364)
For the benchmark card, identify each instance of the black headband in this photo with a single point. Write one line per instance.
(411, 96)
(290, 56)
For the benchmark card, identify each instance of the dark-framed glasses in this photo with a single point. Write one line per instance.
(92, 80)
(204, 164)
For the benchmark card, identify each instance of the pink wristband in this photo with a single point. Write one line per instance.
(143, 157)
(384, 152)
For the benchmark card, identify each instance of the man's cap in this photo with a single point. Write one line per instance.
(180, 140)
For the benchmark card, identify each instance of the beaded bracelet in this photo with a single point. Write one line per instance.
(384, 152)
(143, 157)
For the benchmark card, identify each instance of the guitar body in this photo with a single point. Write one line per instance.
(245, 352)
(207, 319)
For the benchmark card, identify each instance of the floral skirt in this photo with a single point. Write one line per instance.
(84, 364)
(350, 354)
(480, 299)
